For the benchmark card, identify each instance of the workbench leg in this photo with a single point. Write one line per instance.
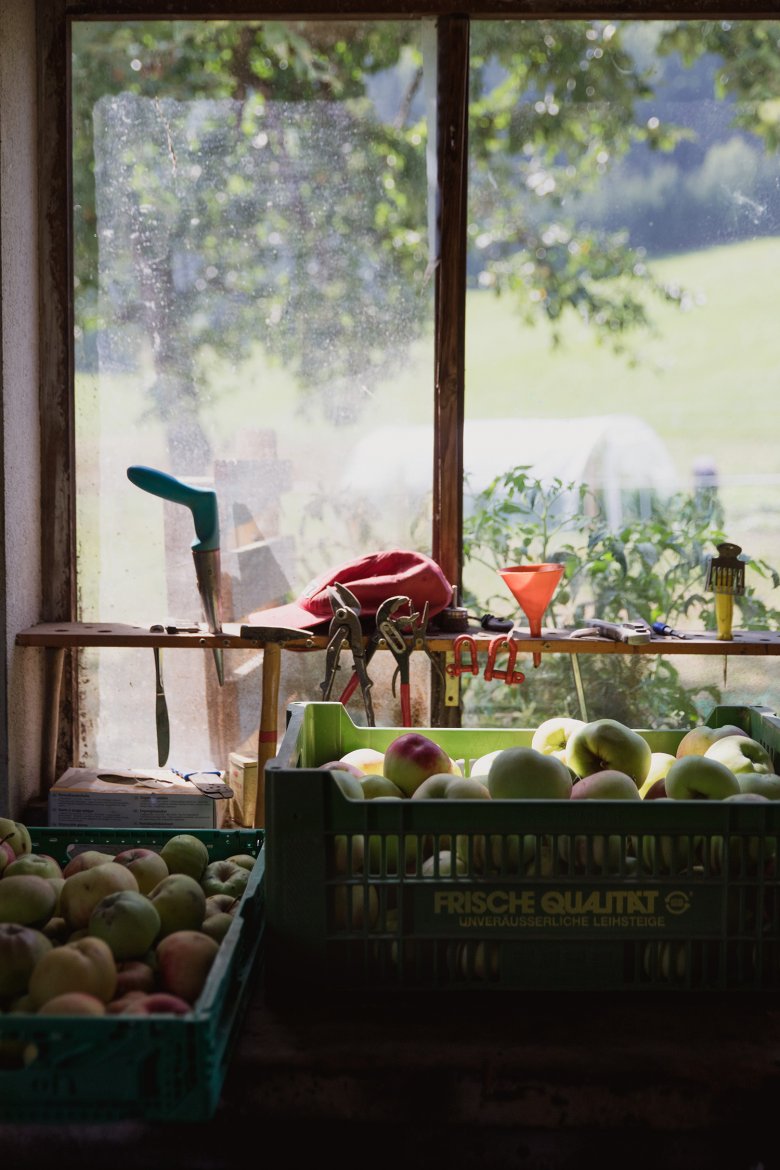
(54, 659)
(267, 735)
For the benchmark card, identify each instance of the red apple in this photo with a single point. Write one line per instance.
(411, 758)
(184, 960)
(696, 741)
(86, 860)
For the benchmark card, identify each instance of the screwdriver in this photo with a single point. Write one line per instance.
(666, 631)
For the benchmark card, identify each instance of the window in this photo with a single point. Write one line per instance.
(310, 255)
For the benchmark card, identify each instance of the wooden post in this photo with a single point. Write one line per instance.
(267, 735)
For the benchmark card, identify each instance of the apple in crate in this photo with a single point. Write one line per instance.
(700, 778)
(763, 783)
(225, 877)
(696, 741)
(147, 866)
(84, 965)
(374, 786)
(551, 737)
(740, 753)
(180, 901)
(133, 975)
(523, 773)
(73, 1003)
(127, 921)
(39, 863)
(20, 949)
(184, 959)
(16, 835)
(86, 860)
(411, 758)
(83, 890)
(654, 784)
(365, 761)
(603, 853)
(185, 853)
(608, 745)
(27, 899)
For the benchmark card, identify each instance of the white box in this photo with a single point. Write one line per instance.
(118, 798)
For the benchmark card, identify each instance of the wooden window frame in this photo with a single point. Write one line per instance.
(54, 17)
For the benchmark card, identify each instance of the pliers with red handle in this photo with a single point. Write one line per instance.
(386, 631)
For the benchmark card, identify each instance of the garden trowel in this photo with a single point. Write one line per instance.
(202, 502)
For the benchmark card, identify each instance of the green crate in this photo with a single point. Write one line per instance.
(154, 1068)
(609, 895)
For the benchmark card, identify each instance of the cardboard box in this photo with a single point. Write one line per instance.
(137, 798)
(246, 808)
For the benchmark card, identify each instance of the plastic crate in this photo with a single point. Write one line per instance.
(608, 895)
(158, 1067)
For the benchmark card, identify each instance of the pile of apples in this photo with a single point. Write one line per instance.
(131, 933)
(567, 759)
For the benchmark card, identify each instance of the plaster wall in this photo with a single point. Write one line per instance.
(21, 700)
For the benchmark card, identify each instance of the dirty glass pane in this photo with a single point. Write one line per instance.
(624, 239)
(253, 305)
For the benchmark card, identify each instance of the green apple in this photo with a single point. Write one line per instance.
(20, 949)
(225, 877)
(523, 773)
(184, 959)
(608, 745)
(374, 786)
(668, 852)
(185, 853)
(217, 925)
(367, 760)
(348, 784)
(660, 763)
(147, 866)
(40, 863)
(435, 787)
(245, 860)
(411, 758)
(441, 864)
(348, 853)
(127, 921)
(180, 901)
(27, 899)
(740, 753)
(696, 741)
(15, 834)
(84, 965)
(700, 778)
(383, 852)
(552, 736)
(83, 890)
(764, 783)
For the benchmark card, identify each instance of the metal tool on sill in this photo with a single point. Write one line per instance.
(162, 723)
(726, 579)
(386, 633)
(345, 629)
(202, 502)
(632, 633)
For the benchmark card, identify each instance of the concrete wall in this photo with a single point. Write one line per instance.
(20, 587)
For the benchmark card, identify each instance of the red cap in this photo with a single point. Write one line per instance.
(373, 579)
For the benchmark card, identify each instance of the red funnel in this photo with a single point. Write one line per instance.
(532, 587)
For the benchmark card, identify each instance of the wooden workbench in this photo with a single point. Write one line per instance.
(57, 637)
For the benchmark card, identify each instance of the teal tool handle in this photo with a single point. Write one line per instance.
(202, 502)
